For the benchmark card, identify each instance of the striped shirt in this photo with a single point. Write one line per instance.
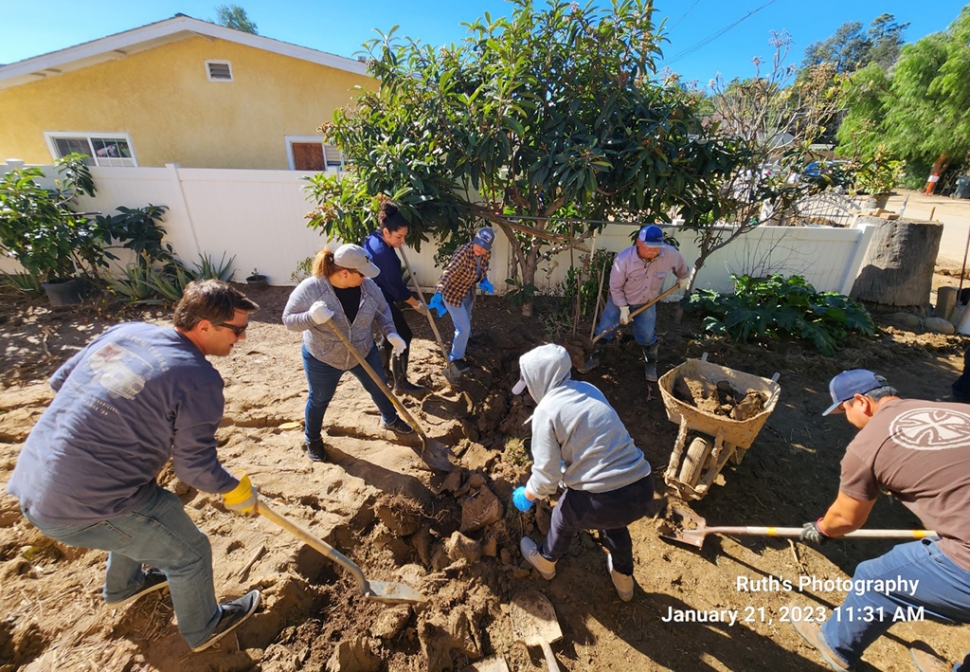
(464, 271)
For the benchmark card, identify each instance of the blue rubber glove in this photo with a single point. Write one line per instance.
(522, 503)
(486, 286)
(437, 303)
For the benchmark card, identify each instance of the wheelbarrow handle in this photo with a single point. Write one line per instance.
(637, 312)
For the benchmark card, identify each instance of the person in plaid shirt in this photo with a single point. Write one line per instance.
(456, 288)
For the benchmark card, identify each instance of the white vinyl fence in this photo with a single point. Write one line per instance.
(258, 216)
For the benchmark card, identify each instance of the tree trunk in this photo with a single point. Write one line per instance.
(898, 269)
(528, 278)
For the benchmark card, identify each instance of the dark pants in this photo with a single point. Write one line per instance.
(610, 511)
(400, 324)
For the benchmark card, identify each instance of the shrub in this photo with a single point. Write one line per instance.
(777, 307)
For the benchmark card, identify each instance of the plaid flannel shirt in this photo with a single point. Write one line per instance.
(463, 272)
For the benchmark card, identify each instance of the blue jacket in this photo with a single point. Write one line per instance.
(391, 279)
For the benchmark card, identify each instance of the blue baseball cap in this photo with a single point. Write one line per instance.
(850, 383)
(484, 237)
(651, 235)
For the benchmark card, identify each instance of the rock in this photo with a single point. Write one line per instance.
(752, 404)
(907, 320)
(391, 621)
(479, 458)
(459, 546)
(401, 520)
(356, 655)
(478, 509)
(452, 481)
(421, 540)
(938, 325)
(505, 555)
(490, 546)
(476, 480)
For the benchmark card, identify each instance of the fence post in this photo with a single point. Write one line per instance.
(174, 170)
(852, 269)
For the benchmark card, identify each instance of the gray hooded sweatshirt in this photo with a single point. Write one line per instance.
(575, 426)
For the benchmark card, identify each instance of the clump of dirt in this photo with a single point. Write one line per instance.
(719, 398)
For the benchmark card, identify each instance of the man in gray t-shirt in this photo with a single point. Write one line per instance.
(918, 451)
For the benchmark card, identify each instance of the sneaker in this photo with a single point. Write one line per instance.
(232, 614)
(398, 426)
(927, 662)
(154, 580)
(315, 450)
(622, 582)
(460, 364)
(811, 632)
(546, 568)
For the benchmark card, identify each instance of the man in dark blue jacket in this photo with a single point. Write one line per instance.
(380, 246)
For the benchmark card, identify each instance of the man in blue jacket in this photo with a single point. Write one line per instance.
(380, 246)
(135, 397)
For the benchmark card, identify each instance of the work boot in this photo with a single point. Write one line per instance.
(153, 580)
(546, 568)
(231, 616)
(622, 582)
(315, 450)
(650, 359)
(387, 349)
(399, 365)
(811, 632)
(398, 426)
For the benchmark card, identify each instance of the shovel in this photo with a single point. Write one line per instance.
(450, 372)
(434, 454)
(388, 592)
(534, 623)
(593, 360)
(696, 537)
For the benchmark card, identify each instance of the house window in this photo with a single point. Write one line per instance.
(309, 153)
(218, 71)
(102, 149)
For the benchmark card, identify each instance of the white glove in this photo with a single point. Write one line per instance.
(399, 345)
(684, 283)
(319, 313)
(624, 314)
(421, 308)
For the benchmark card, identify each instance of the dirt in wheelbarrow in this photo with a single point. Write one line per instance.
(455, 537)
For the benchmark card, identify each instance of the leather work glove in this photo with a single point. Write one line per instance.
(319, 313)
(684, 282)
(521, 500)
(486, 286)
(624, 314)
(813, 532)
(437, 303)
(399, 345)
(243, 497)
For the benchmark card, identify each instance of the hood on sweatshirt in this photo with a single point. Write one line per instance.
(544, 368)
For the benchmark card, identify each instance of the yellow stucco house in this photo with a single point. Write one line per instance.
(177, 91)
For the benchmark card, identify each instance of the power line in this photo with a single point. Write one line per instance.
(707, 40)
(685, 14)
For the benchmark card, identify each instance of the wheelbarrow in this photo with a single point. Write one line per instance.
(693, 469)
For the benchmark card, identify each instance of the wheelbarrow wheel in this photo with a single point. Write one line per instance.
(694, 461)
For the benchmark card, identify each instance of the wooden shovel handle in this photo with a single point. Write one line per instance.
(638, 311)
(550, 657)
(417, 288)
(377, 379)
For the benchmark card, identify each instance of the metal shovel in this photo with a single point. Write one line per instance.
(534, 623)
(388, 592)
(593, 360)
(450, 372)
(433, 452)
(696, 537)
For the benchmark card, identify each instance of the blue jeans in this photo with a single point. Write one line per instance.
(944, 593)
(644, 324)
(461, 316)
(160, 534)
(322, 380)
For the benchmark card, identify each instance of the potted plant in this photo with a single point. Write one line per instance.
(257, 280)
(38, 228)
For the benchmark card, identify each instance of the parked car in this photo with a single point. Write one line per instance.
(836, 174)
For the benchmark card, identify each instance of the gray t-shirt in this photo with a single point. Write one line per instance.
(920, 452)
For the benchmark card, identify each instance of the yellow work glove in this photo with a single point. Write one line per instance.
(243, 497)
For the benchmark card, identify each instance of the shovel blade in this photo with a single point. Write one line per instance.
(693, 537)
(590, 364)
(451, 374)
(392, 592)
(436, 455)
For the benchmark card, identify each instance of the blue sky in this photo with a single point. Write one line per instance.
(32, 28)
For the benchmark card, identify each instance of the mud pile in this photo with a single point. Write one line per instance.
(719, 398)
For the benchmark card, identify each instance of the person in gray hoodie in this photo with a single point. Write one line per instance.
(580, 442)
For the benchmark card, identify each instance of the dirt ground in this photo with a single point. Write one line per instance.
(374, 502)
